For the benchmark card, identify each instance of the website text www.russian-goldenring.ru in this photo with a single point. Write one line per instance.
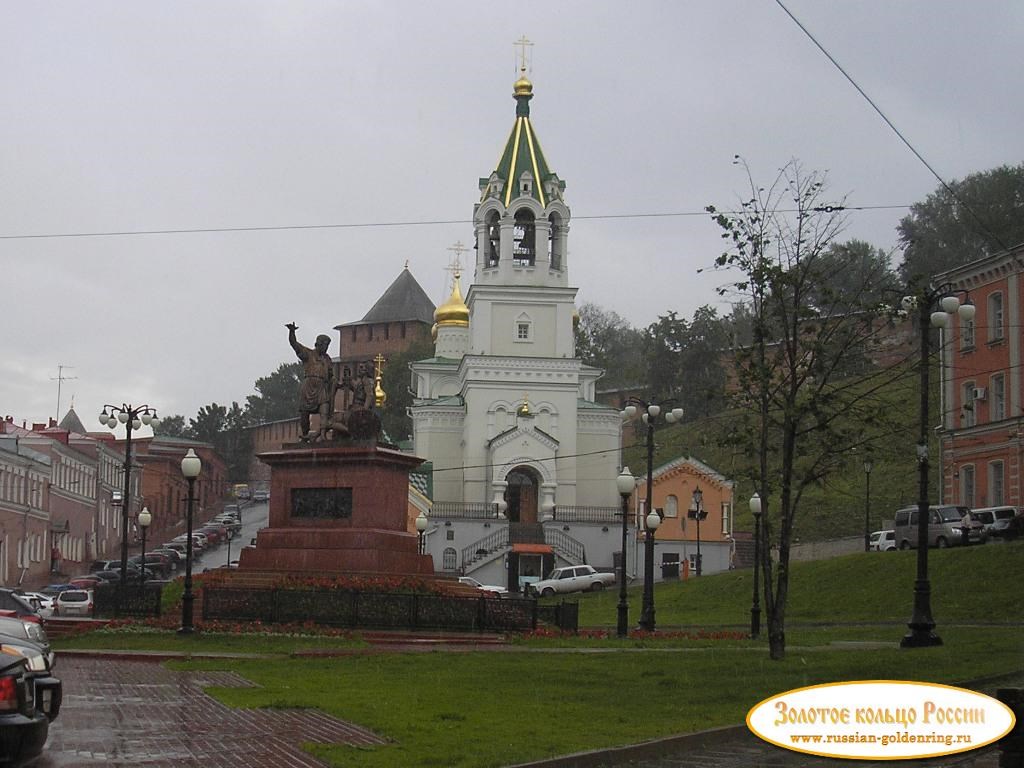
(885, 739)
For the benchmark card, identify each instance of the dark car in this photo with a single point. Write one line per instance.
(23, 728)
(39, 660)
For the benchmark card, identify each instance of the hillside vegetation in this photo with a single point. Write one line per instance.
(978, 584)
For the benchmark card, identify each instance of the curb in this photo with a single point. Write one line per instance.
(643, 750)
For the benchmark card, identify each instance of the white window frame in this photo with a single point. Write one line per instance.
(671, 506)
(997, 398)
(523, 322)
(968, 485)
(968, 406)
(996, 482)
(995, 316)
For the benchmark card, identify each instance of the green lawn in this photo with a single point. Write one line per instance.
(553, 697)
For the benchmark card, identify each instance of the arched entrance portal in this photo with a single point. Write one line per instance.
(521, 494)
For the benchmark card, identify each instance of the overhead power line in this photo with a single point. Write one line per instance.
(382, 224)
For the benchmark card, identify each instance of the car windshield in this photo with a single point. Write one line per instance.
(950, 515)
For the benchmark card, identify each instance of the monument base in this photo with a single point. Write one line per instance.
(337, 509)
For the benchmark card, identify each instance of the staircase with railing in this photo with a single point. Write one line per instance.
(504, 537)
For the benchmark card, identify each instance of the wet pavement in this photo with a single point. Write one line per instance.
(139, 713)
(126, 711)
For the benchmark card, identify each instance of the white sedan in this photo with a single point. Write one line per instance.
(572, 578)
(469, 581)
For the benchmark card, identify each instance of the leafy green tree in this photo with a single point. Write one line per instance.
(277, 394)
(605, 340)
(860, 277)
(208, 423)
(974, 217)
(172, 426)
(395, 383)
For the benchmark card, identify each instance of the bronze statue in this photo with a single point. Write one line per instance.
(316, 393)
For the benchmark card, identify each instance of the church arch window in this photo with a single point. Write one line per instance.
(493, 238)
(523, 331)
(524, 238)
(555, 241)
(449, 559)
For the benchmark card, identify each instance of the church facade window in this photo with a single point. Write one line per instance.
(524, 329)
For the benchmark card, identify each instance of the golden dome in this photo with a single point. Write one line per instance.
(454, 311)
(523, 86)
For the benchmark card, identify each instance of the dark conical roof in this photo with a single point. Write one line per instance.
(72, 423)
(403, 300)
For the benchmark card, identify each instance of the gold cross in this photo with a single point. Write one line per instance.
(379, 360)
(455, 264)
(523, 44)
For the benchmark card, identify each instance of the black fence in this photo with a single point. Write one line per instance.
(368, 610)
(110, 602)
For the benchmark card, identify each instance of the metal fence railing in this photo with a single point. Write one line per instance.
(135, 600)
(368, 610)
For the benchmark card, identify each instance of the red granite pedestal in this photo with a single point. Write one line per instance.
(336, 509)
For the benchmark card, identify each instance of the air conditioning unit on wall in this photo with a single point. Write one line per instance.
(979, 393)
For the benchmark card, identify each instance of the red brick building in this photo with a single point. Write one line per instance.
(982, 385)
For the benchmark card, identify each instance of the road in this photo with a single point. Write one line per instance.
(254, 516)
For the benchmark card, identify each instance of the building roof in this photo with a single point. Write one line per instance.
(522, 153)
(404, 299)
(72, 423)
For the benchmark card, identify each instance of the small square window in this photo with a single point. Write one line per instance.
(522, 331)
(449, 535)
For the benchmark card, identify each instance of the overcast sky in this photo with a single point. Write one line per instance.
(378, 118)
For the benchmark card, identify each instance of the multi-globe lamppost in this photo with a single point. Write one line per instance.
(625, 483)
(651, 413)
(934, 309)
(133, 417)
(191, 466)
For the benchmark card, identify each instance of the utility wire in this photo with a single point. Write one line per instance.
(896, 130)
(385, 224)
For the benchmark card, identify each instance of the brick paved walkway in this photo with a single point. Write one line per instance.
(138, 713)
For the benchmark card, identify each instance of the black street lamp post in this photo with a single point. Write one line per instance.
(651, 412)
(921, 623)
(755, 606)
(625, 483)
(133, 417)
(421, 530)
(145, 518)
(868, 466)
(697, 513)
(191, 466)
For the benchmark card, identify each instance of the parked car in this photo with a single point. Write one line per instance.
(470, 581)
(995, 519)
(882, 541)
(28, 630)
(572, 578)
(102, 565)
(944, 529)
(86, 582)
(23, 728)
(261, 496)
(49, 691)
(1011, 529)
(175, 557)
(12, 601)
(41, 602)
(74, 602)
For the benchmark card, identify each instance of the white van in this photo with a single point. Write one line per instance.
(943, 526)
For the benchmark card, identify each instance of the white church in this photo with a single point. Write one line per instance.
(523, 459)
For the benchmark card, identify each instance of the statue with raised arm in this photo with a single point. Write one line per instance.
(316, 393)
